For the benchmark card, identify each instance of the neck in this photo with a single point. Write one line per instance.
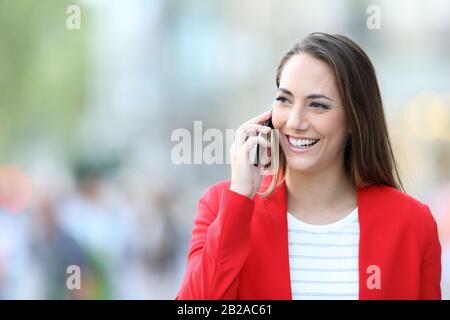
(324, 191)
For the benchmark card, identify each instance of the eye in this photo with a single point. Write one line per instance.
(318, 105)
(282, 99)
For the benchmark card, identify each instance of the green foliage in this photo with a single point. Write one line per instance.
(42, 73)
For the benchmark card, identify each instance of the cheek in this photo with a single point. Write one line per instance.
(278, 118)
(334, 127)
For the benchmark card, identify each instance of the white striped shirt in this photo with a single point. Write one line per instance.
(324, 259)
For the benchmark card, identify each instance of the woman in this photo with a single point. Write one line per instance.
(331, 222)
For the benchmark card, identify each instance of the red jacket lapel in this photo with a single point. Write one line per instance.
(274, 211)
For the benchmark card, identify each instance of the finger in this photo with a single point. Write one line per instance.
(260, 118)
(265, 156)
(252, 142)
(250, 130)
(261, 146)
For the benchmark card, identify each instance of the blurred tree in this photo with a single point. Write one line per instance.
(42, 74)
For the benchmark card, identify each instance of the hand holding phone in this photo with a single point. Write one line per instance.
(245, 177)
(258, 154)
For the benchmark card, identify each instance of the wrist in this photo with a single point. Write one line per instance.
(241, 192)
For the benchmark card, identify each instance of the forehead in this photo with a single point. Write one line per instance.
(303, 74)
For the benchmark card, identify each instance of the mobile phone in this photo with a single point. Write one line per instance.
(267, 123)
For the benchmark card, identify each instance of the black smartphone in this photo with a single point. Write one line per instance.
(267, 123)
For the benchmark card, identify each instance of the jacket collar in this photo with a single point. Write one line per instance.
(275, 210)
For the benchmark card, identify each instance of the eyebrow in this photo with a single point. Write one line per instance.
(311, 96)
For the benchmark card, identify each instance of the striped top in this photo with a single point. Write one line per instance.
(323, 259)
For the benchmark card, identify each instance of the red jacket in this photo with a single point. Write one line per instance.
(239, 247)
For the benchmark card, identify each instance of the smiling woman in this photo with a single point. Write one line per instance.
(338, 92)
(333, 221)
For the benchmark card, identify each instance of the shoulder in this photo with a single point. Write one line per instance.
(391, 195)
(387, 196)
(394, 204)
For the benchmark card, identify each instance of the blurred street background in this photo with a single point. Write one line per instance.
(87, 114)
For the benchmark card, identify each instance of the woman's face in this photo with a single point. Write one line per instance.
(309, 114)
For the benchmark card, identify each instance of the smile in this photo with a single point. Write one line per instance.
(301, 144)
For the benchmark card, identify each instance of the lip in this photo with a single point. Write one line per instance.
(296, 137)
(297, 150)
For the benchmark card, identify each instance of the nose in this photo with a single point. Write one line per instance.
(297, 119)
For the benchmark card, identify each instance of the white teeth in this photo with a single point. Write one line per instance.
(302, 142)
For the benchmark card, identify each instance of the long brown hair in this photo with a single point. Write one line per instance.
(368, 155)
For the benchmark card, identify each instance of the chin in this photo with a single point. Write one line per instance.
(301, 165)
